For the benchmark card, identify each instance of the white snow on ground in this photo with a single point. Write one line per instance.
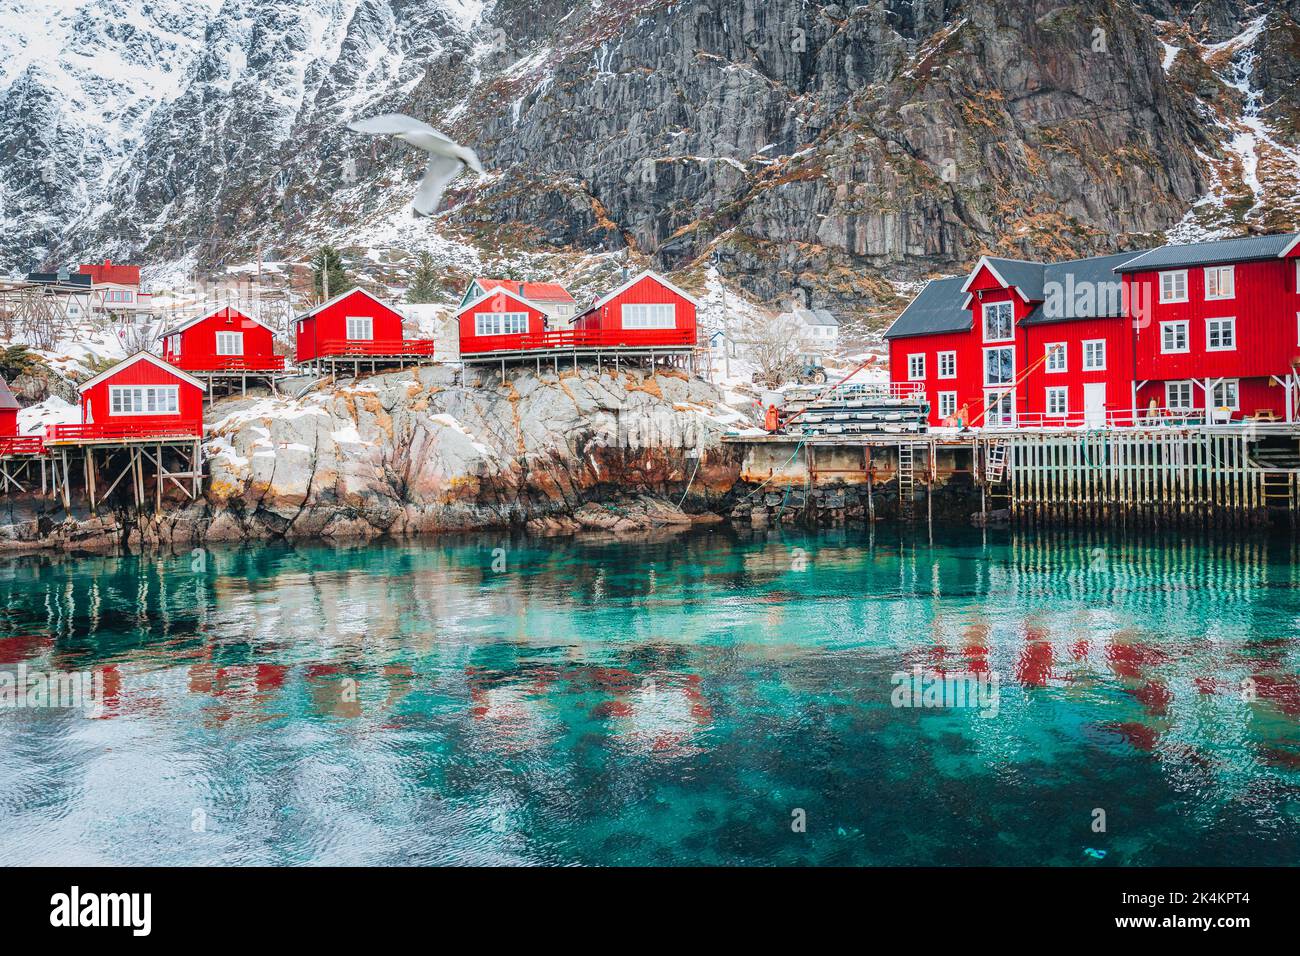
(1171, 54)
(75, 353)
(53, 411)
(452, 423)
(280, 408)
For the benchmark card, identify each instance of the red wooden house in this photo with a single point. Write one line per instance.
(1217, 328)
(500, 320)
(222, 340)
(553, 297)
(356, 326)
(645, 312)
(140, 398)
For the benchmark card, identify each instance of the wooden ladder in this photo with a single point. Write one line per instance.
(906, 480)
(995, 464)
(1279, 489)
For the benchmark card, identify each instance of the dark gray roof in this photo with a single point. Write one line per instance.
(936, 309)
(1216, 252)
(7, 401)
(1082, 289)
(54, 278)
(1025, 276)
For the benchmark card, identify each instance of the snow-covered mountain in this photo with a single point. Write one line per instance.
(826, 148)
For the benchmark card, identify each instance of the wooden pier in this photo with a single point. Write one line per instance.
(1202, 475)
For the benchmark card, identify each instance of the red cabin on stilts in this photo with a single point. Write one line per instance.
(646, 312)
(503, 321)
(358, 328)
(222, 340)
(141, 398)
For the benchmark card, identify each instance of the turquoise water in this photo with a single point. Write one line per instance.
(688, 700)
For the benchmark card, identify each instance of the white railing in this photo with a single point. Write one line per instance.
(857, 393)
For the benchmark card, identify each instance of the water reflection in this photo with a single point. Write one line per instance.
(656, 701)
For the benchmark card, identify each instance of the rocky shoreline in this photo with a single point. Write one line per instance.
(431, 449)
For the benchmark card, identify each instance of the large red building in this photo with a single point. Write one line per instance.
(355, 326)
(223, 340)
(1109, 340)
(1217, 327)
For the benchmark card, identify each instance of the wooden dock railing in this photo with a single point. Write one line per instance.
(55, 434)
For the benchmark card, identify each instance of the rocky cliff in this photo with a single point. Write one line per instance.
(821, 147)
(420, 451)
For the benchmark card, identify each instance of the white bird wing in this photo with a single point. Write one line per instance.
(441, 171)
(399, 124)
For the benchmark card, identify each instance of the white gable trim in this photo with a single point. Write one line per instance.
(343, 295)
(500, 291)
(984, 261)
(633, 281)
(176, 330)
(1290, 246)
(141, 357)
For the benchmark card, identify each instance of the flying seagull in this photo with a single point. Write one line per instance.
(446, 158)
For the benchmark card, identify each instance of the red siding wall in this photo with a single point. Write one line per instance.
(313, 333)
(985, 291)
(95, 401)
(199, 343)
(967, 384)
(1117, 376)
(8, 422)
(471, 344)
(1265, 306)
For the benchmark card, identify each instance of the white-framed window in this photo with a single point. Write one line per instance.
(916, 367)
(657, 315)
(947, 364)
(1055, 352)
(230, 343)
(1057, 400)
(999, 321)
(1226, 394)
(175, 345)
(1220, 335)
(999, 366)
(361, 328)
(120, 295)
(500, 323)
(1219, 282)
(947, 404)
(1094, 355)
(1178, 396)
(144, 399)
(1173, 337)
(1173, 286)
(999, 408)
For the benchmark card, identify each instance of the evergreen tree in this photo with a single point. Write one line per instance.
(424, 285)
(328, 262)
